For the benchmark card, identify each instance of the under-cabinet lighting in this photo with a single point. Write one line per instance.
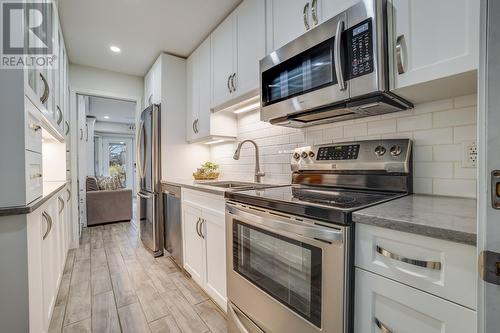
(214, 142)
(106, 117)
(247, 108)
(115, 49)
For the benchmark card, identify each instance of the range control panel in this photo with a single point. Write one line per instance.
(338, 152)
(391, 155)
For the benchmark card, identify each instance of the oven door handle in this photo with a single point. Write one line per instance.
(233, 313)
(281, 222)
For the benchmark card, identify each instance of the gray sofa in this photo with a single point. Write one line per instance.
(105, 206)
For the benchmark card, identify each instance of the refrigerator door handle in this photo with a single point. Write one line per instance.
(144, 196)
(139, 150)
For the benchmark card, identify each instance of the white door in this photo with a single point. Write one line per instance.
(118, 159)
(222, 61)
(214, 231)
(288, 20)
(447, 27)
(383, 305)
(328, 9)
(192, 96)
(204, 91)
(193, 243)
(488, 162)
(251, 44)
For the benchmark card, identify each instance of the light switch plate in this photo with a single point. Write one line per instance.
(469, 159)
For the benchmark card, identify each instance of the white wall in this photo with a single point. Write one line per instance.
(105, 83)
(438, 130)
(114, 128)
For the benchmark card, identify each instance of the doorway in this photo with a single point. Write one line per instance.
(118, 159)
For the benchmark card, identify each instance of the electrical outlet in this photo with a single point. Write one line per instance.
(469, 159)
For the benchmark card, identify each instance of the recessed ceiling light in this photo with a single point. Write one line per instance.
(106, 117)
(115, 49)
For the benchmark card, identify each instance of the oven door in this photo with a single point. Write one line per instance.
(285, 274)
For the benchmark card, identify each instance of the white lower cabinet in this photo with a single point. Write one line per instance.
(204, 242)
(408, 283)
(47, 250)
(383, 305)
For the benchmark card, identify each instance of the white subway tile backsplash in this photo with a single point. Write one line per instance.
(433, 169)
(462, 133)
(355, 130)
(438, 136)
(422, 154)
(455, 117)
(455, 187)
(419, 122)
(447, 153)
(382, 127)
(437, 129)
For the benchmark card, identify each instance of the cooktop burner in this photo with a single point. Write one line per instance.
(333, 204)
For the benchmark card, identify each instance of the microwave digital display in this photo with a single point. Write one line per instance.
(360, 29)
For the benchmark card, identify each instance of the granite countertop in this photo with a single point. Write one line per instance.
(196, 185)
(448, 218)
(49, 190)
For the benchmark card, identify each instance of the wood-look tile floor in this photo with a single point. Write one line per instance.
(111, 283)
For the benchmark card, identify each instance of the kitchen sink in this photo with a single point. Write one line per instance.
(236, 185)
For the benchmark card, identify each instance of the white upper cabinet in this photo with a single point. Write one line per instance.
(152, 85)
(251, 45)
(222, 61)
(434, 39)
(289, 20)
(238, 44)
(201, 123)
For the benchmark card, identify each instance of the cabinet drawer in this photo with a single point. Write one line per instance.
(450, 273)
(212, 202)
(387, 306)
(34, 176)
(33, 127)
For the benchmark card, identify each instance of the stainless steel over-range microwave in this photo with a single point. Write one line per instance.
(336, 71)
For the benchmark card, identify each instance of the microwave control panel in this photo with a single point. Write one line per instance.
(360, 49)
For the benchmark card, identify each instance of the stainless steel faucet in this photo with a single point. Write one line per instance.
(258, 174)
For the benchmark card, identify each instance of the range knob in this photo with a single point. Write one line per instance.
(396, 150)
(380, 150)
(296, 156)
(311, 154)
(304, 154)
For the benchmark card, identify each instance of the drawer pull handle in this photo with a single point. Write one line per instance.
(36, 175)
(382, 327)
(421, 263)
(35, 127)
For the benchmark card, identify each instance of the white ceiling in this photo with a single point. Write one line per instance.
(141, 28)
(117, 111)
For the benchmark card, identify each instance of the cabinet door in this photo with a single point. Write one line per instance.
(387, 306)
(193, 243)
(222, 60)
(49, 277)
(193, 95)
(148, 93)
(205, 89)
(156, 82)
(213, 229)
(251, 44)
(327, 9)
(287, 21)
(450, 28)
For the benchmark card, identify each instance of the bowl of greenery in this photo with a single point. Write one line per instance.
(208, 171)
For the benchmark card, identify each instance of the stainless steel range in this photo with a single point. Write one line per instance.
(290, 249)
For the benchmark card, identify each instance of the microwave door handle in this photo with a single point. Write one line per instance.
(336, 51)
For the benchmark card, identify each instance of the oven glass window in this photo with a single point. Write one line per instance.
(288, 270)
(309, 70)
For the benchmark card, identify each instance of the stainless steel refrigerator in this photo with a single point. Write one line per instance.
(149, 170)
